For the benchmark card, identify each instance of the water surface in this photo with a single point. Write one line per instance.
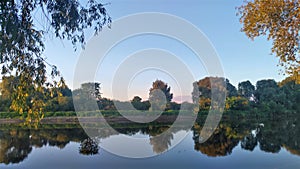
(237, 143)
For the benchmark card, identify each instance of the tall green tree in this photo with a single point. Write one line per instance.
(7, 87)
(202, 88)
(160, 92)
(88, 90)
(266, 90)
(231, 90)
(269, 97)
(87, 94)
(279, 20)
(246, 89)
(59, 99)
(202, 91)
(22, 42)
(292, 92)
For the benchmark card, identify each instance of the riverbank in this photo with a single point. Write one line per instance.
(113, 119)
(116, 117)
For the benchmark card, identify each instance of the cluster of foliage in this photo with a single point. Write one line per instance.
(279, 20)
(267, 96)
(55, 98)
(22, 44)
(60, 99)
(160, 95)
(89, 93)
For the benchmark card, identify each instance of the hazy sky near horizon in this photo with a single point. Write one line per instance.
(241, 58)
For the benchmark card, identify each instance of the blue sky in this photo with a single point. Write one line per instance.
(242, 59)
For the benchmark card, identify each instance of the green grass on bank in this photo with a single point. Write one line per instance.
(15, 115)
(9, 115)
(114, 113)
(105, 113)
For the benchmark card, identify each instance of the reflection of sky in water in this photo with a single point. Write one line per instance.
(140, 145)
(181, 156)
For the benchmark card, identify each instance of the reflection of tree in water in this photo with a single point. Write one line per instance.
(273, 135)
(56, 137)
(16, 144)
(269, 136)
(292, 137)
(161, 142)
(249, 142)
(269, 141)
(131, 129)
(280, 133)
(89, 147)
(219, 144)
(160, 135)
(128, 131)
